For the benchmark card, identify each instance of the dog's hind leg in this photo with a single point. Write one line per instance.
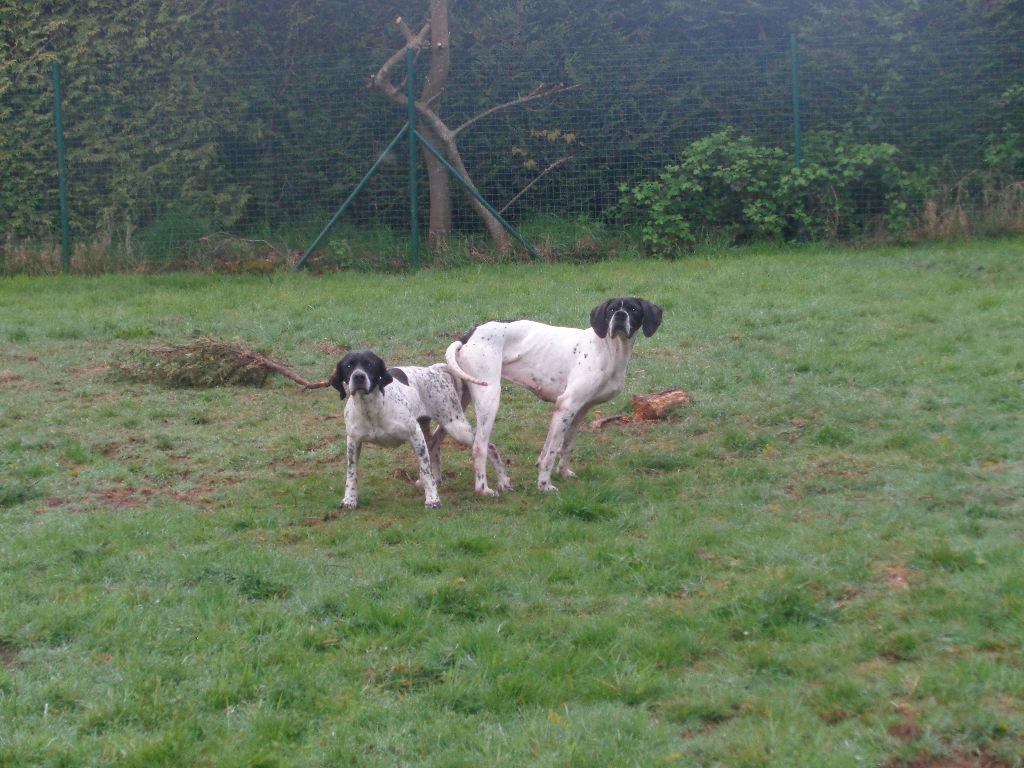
(462, 432)
(433, 447)
(485, 401)
(422, 451)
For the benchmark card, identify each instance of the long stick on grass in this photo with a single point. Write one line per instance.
(269, 364)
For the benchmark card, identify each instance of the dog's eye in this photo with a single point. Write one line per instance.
(634, 310)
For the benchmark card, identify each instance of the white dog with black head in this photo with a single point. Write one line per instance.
(392, 406)
(574, 368)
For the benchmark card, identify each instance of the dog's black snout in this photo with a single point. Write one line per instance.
(359, 380)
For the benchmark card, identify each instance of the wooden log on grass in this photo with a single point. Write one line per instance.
(649, 407)
(658, 405)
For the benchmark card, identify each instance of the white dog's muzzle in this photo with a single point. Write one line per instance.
(620, 325)
(359, 381)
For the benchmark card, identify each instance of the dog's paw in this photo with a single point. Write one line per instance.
(567, 473)
(348, 504)
(505, 487)
(433, 504)
(546, 486)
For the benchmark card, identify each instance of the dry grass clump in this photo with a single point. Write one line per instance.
(201, 364)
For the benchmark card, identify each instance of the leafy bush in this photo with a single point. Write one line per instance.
(727, 187)
(1004, 148)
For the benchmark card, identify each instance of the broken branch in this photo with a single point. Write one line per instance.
(540, 92)
(540, 176)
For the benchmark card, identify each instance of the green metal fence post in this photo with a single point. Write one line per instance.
(795, 64)
(352, 196)
(414, 214)
(62, 180)
(479, 198)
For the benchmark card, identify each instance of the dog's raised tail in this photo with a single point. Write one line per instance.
(451, 357)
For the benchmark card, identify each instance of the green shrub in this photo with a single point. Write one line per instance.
(727, 187)
(167, 237)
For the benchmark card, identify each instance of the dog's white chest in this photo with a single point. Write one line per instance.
(380, 419)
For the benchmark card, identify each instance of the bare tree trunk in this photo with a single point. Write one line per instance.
(436, 131)
(437, 175)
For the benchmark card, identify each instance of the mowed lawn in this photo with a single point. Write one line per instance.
(819, 562)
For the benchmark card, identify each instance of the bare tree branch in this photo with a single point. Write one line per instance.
(435, 127)
(540, 92)
(540, 176)
(404, 28)
(380, 77)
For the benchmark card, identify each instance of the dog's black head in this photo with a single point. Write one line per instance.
(360, 371)
(624, 317)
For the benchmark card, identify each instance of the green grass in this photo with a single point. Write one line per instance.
(818, 563)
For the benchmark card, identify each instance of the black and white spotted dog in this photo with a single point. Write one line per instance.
(391, 406)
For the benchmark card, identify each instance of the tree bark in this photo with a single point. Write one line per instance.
(440, 226)
(436, 131)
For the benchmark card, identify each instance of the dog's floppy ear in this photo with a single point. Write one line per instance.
(652, 317)
(599, 319)
(397, 374)
(383, 376)
(337, 380)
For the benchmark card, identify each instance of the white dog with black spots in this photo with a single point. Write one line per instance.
(392, 406)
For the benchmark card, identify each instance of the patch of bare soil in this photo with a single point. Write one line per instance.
(123, 497)
(908, 730)
(8, 655)
(92, 369)
(956, 758)
(898, 577)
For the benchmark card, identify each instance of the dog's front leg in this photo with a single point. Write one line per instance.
(422, 450)
(568, 443)
(561, 423)
(352, 450)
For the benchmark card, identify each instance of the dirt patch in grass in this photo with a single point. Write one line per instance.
(908, 730)
(828, 474)
(122, 497)
(328, 348)
(92, 369)
(898, 577)
(7, 378)
(955, 758)
(8, 655)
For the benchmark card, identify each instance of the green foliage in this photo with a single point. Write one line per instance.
(255, 117)
(727, 187)
(1004, 150)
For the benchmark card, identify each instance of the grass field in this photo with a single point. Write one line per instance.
(817, 563)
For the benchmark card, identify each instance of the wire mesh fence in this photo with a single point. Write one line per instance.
(175, 163)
